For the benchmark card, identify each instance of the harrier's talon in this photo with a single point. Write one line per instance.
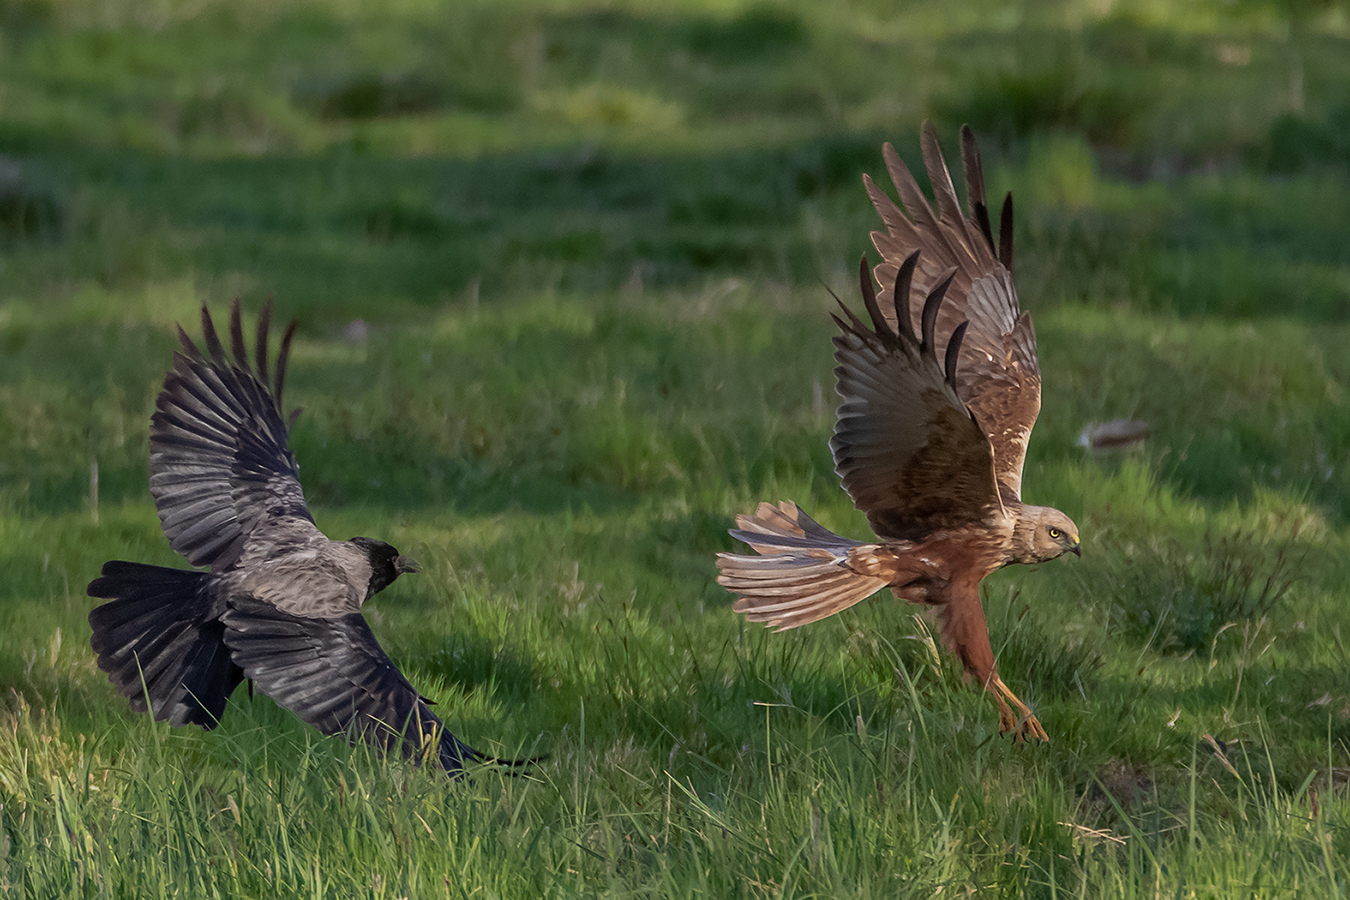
(1023, 728)
(1021, 724)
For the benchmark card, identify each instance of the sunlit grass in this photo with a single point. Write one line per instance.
(558, 268)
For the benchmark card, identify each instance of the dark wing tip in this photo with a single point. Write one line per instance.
(1005, 233)
(954, 352)
(904, 279)
(210, 338)
(870, 298)
(974, 167)
(930, 312)
(260, 342)
(853, 324)
(931, 147)
(279, 383)
(189, 348)
(237, 335)
(975, 192)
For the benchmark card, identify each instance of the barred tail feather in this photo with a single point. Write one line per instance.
(803, 572)
(157, 640)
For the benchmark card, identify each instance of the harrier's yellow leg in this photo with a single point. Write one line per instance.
(1022, 723)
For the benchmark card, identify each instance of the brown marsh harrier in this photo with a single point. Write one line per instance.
(940, 392)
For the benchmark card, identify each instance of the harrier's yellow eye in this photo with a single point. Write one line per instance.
(1055, 533)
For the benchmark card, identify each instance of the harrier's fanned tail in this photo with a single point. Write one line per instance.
(804, 572)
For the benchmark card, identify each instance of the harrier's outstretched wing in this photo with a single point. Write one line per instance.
(906, 448)
(220, 464)
(332, 673)
(997, 373)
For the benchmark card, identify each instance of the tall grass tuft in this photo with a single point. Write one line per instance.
(1178, 599)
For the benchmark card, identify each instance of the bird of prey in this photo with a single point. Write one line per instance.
(280, 603)
(940, 391)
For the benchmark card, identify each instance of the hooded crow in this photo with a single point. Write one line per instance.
(281, 603)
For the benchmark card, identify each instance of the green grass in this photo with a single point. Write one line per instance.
(587, 242)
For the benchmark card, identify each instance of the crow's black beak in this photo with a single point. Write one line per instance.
(405, 566)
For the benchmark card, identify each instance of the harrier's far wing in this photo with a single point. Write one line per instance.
(220, 464)
(906, 448)
(998, 376)
(332, 673)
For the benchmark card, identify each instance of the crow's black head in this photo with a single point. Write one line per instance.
(386, 564)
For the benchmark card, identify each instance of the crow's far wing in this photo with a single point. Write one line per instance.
(220, 463)
(333, 674)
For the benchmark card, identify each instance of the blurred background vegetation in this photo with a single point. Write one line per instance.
(380, 160)
(393, 154)
(560, 268)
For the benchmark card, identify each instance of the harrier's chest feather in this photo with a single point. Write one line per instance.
(921, 571)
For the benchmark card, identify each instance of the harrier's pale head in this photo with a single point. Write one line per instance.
(1044, 533)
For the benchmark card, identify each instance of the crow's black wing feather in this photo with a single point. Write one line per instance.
(220, 463)
(333, 674)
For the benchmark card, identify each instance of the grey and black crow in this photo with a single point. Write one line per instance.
(281, 603)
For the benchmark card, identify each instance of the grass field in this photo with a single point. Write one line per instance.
(560, 269)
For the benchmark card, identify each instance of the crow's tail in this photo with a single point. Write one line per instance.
(158, 640)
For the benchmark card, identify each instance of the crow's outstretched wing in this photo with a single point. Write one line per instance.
(998, 376)
(220, 464)
(907, 450)
(333, 674)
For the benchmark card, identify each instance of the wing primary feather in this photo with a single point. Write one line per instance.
(260, 348)
(986, 229)
(281, 361)
(1005, 234)
(854, 325)
(911, 195)
(210, 338)
(974, 169)
(939, 177)
(930, 313)
(189, 348)
(900, 295)
(954, 352)
(829, 290)
(870, 297)
(237, 335)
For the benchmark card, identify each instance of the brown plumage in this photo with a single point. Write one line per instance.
(940, 391)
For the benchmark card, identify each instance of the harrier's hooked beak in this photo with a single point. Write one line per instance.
(405, 566)
(1076, 548)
